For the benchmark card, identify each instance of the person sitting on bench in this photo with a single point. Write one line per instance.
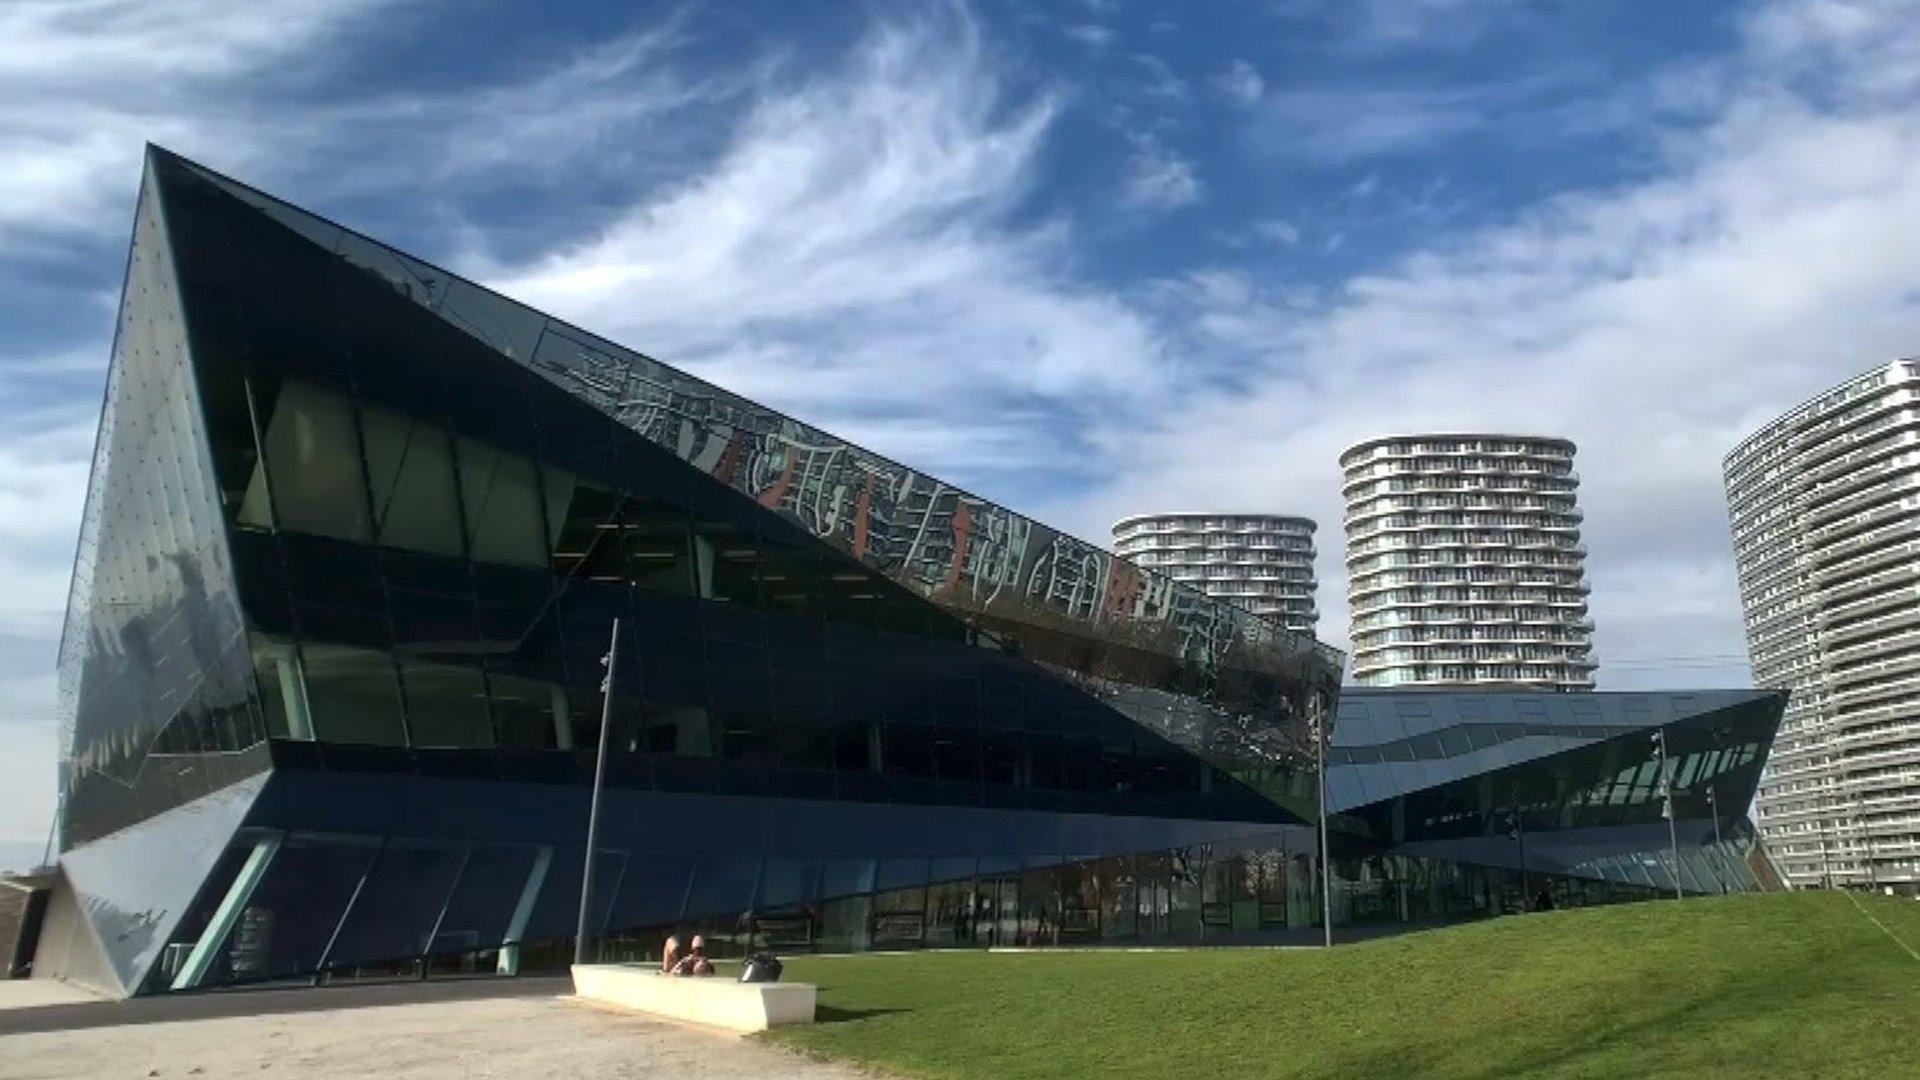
(670, 955)
(695, 962)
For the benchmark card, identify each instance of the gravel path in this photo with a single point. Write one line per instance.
(508, 1039)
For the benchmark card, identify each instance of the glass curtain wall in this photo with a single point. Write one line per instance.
(331, 906)
(156, 707)
(432, 541)
(386, 322)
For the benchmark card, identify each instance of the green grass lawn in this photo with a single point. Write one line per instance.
(1800, 985)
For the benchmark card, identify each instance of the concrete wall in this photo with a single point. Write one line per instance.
(69, 949)
(22, 904)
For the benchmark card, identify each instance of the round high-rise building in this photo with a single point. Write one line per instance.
(1464, 564)
(1262, 562)
(1827, 544)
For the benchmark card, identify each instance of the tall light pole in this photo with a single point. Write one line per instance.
(1713, 805)
(1666, 803)
(593, 805)
(1519, 833)
(1317, 716)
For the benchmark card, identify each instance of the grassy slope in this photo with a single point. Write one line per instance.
(1782, 985)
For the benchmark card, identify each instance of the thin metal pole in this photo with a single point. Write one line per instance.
(1713, 803)
(1520, 840)
(1326, 864)
(593, 806)
(1673, 829)
(1713, 806)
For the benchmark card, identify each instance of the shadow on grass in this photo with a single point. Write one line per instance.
(832, 1014)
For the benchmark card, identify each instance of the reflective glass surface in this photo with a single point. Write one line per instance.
(845, 536)
(372, 524)
(434, 530)
(154, 674)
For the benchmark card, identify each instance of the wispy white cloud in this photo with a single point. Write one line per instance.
(1325, 126)
(1241, 83)
(84, 83)
(27, 795)
(42, 483)
(853, 252)
(1093, 35)
(1380, 26)
(1429, 23)
(1278, 230)
(1161, 82)
(1157, 178)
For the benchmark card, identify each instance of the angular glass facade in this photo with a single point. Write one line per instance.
(1559, 786)
(357, 533)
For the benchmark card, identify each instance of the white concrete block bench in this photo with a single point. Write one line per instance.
(709, 1000)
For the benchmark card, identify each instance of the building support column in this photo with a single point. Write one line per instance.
(228, 913)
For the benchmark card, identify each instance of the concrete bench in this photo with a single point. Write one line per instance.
(709, 1000)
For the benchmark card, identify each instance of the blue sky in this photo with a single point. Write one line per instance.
(1088, 257)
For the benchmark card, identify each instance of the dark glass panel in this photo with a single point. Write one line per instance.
(1047, 762)
(446, 705)
(322, 573)
(956, 754)
(557, 911)
(500, 493)
(313, 462)
(481, 906)
(276, 665)
(410, 476)
(655, 547)
(394, 915)
(354, 695)
(1000, 758)
(293, 913)
(726, 560)
(792, 578)
(786, 883)
(527, 714)
(433, 624)
(908, 750)
(653, 890)
(723, 885)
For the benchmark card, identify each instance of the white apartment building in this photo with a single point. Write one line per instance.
(1464, 563)
(1824, 504)
(1262, 562)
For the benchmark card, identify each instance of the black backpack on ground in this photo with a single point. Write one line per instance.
(761, 967)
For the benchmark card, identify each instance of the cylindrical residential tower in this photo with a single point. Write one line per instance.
(1464, 564)
(1263, 562)
(1826, 539)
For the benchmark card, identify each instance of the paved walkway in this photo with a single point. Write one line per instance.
(39, 994)
(500, 1038)
(32, 1005)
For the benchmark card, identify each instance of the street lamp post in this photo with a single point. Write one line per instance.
(1713, 803)
(1713, 806)
(1317, 716)
(1666, 803)
(1519, 833)
(1719, 852)
(593, 805)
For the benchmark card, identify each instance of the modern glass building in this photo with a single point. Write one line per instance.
(331, 680)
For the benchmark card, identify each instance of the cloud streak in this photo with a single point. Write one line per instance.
(853, 255)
